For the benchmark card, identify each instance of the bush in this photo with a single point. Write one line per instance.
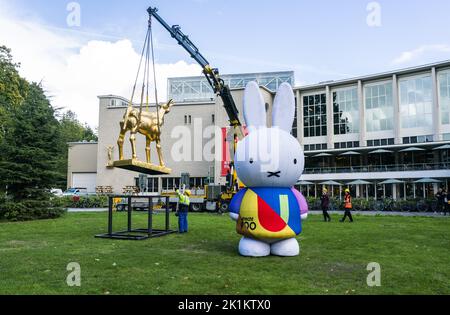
(83, 202)
(387, 204)
(29, 210)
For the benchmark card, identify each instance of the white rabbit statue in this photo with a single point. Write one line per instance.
(269, 162)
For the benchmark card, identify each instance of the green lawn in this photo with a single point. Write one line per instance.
(414, 254)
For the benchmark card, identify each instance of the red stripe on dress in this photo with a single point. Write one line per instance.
(268, 218)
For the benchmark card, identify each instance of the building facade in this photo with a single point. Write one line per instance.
(391, 128)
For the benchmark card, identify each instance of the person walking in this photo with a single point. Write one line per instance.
(325, 204)
(347, 206)
(440, 197)
(447, 205)
(183, 210)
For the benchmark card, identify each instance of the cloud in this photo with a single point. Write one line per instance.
(75, 69)
(417, 53)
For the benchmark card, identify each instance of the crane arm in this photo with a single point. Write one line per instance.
(211, 74)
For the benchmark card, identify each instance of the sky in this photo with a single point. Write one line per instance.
(320, 40)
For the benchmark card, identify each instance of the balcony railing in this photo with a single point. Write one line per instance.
(379, 168)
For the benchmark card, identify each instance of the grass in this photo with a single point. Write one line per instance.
(414, 254)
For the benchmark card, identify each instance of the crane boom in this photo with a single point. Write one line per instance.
(211, 74)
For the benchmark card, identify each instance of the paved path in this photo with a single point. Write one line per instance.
(315, 212)
(386, 213)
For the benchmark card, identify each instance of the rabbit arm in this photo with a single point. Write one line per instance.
(235, 205)
(303, 205)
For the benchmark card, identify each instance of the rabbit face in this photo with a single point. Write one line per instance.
(269, 157)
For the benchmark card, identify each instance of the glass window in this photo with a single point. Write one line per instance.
(379, 107)
(346, 111)
(416, 102)
(165, 184)
(315, 120)
(444, 96)
(153, 184)
(170, 184)
(294, 126)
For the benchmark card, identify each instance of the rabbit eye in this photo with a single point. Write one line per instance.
(295, 161)
(251, 161)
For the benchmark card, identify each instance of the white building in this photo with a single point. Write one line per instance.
(388, 126)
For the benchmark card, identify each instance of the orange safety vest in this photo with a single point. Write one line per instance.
(348, 202)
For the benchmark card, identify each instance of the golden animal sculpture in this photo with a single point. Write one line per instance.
(145, 123)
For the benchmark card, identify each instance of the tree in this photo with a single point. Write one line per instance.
(29, 156)
(13, 89)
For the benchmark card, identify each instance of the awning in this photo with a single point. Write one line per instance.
(379, 151)
(350, 153)
(412, 149)
(331, 183)
(359, 182)
(427, 181)
(391, 181)
(444, 147)
(322, 155)
(304, 182)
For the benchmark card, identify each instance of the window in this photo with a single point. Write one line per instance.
(153, 185)
(416, 102)
(294, 126)
(316, 147)
(346, 145)
(213, 119)
(379, 107)
(188, 120)
(346, 111)
(380, 142)
(170, 183)
(444, 96)
(315, 115)
(418, 139)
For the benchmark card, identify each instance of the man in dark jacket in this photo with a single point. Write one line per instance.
(447, 204)
(325, 204)
(440, 197)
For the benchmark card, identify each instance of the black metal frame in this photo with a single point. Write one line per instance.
(137, 234)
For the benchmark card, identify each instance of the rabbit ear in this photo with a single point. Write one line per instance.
(283, 113)
(254, 108)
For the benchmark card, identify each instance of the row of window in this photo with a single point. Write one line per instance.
(415, 101)
(418, 139)
(315, 147)
(171, 183)
(117, 103)
(346, 145)
(372, 143)
(380, 142)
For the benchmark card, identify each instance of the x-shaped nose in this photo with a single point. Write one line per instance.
(274, 174)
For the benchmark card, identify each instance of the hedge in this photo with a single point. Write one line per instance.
(82, 202)
(387, 204)
(28, 210)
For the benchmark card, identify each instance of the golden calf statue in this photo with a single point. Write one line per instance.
(148, 124)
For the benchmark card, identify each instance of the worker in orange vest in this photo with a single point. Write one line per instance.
(347, 206)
